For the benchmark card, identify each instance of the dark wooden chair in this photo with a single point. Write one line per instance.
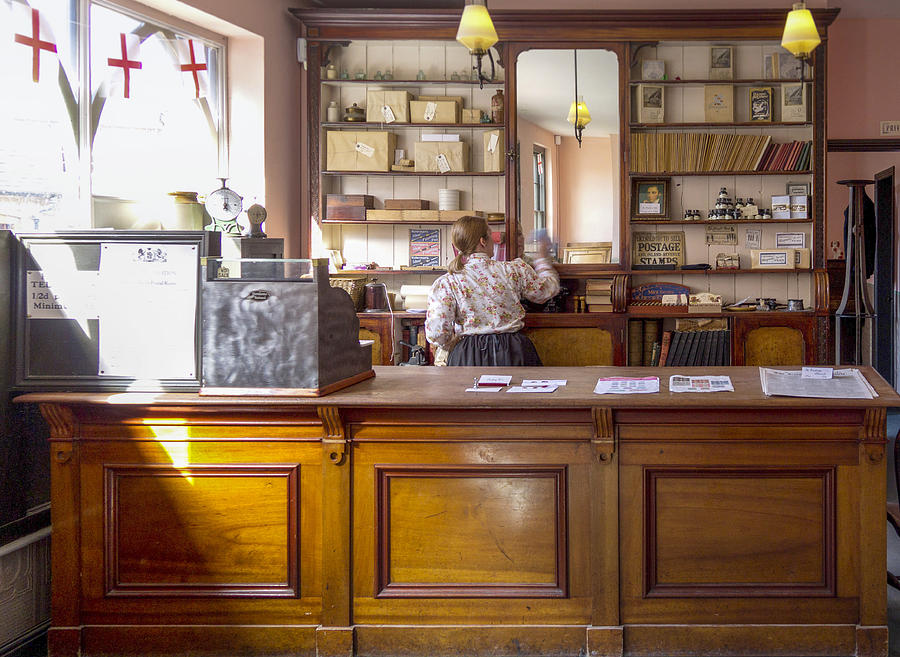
(893, 508)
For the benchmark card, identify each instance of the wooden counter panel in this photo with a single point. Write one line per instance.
(233, 532)
(749, 544)
(786, 417)
(177, 521)
(295, 641)
(739, 532)
(455, 641)
(486, 522)
(180, 431)
(763, 432)
(482, 531)
(737, 453)
(714, 640)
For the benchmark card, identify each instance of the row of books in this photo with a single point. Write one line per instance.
(793, 156)
(696, 151)
(643, 342)
(690, 348)
(598, 295)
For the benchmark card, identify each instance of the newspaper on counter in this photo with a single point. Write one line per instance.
(680, 383)
(844, 384)
(626, 385)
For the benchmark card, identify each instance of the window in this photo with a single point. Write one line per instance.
(71, 152)
(540, 189)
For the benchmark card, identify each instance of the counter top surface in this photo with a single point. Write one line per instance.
(444, 387)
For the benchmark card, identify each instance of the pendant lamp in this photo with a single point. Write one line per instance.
(476, 32)
(579, 116)
(800, 36)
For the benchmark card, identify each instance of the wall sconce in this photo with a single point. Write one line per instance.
(579, 116)
(476, 32)
(800, 36)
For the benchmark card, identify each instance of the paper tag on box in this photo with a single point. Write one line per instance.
(492, 143)
(388, 114)
(365, 149)
(442, 164)
(430, 109)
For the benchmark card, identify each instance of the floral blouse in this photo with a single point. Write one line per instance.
(483, 297)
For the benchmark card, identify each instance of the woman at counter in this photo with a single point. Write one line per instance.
(474, 310)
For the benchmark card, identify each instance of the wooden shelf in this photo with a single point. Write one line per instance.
(720, 272)
(736, 124)
(413, 173)
(414, 83)
(398, 223)
(722, 221)
(657, 174)
(743, 82)
(389, 272)
(367, 124)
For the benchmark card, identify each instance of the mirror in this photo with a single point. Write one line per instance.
(574, 193)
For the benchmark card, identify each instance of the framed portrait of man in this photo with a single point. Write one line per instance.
(650, 198)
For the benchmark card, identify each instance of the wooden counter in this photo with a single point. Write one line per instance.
(404, 516)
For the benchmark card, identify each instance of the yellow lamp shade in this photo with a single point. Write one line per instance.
(800, 34)
(584, 116)
(476, 29)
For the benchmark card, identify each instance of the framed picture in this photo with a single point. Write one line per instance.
(797, 189)
(575, 253)
(761, 103)
(650, 198)
(651, 103)
(721, 62)
(793, 103)
(719, 103)
(425, 247)
(653, 69)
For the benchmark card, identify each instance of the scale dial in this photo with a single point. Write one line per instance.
(224, 204)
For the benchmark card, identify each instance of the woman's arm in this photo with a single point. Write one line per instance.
(538, 284)
(440, 316)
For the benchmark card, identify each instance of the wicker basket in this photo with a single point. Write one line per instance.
(355, 286)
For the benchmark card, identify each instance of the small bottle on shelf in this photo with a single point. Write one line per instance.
(333, 112)
(497, 103)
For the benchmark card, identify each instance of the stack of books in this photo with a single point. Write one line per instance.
(598, 295)
(643, 342)
(792, 156)
(695, 348)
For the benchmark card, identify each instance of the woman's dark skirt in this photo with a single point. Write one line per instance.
(494, 350)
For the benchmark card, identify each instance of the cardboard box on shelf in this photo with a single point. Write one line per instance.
(397, 101)
(350, 150)
(348, 207)
(429, 156)
(772, 258)
(494, 150)
(434, 111)
(472, 115)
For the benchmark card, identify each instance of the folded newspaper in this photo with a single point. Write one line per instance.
(844, 384)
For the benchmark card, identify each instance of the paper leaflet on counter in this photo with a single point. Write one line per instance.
(680, 383)
(626, 385)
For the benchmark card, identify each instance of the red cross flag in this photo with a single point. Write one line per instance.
(33, 32)
(123, 63)
(192, 62)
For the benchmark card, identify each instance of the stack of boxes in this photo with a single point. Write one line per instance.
(439, 153)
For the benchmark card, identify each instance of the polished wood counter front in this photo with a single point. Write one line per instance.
(405, 516)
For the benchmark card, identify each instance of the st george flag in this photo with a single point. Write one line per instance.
(123, 63)
(34, 50)
(192, 63)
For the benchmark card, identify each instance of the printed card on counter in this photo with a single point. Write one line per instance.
(494, 380)
(626, 385)
(536, 383)
(532, 389)
(680, 383)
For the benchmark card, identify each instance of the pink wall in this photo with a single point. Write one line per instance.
(863, 90)
(588, 198)
(530, 135)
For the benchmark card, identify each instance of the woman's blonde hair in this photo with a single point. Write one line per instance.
(466, 236)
